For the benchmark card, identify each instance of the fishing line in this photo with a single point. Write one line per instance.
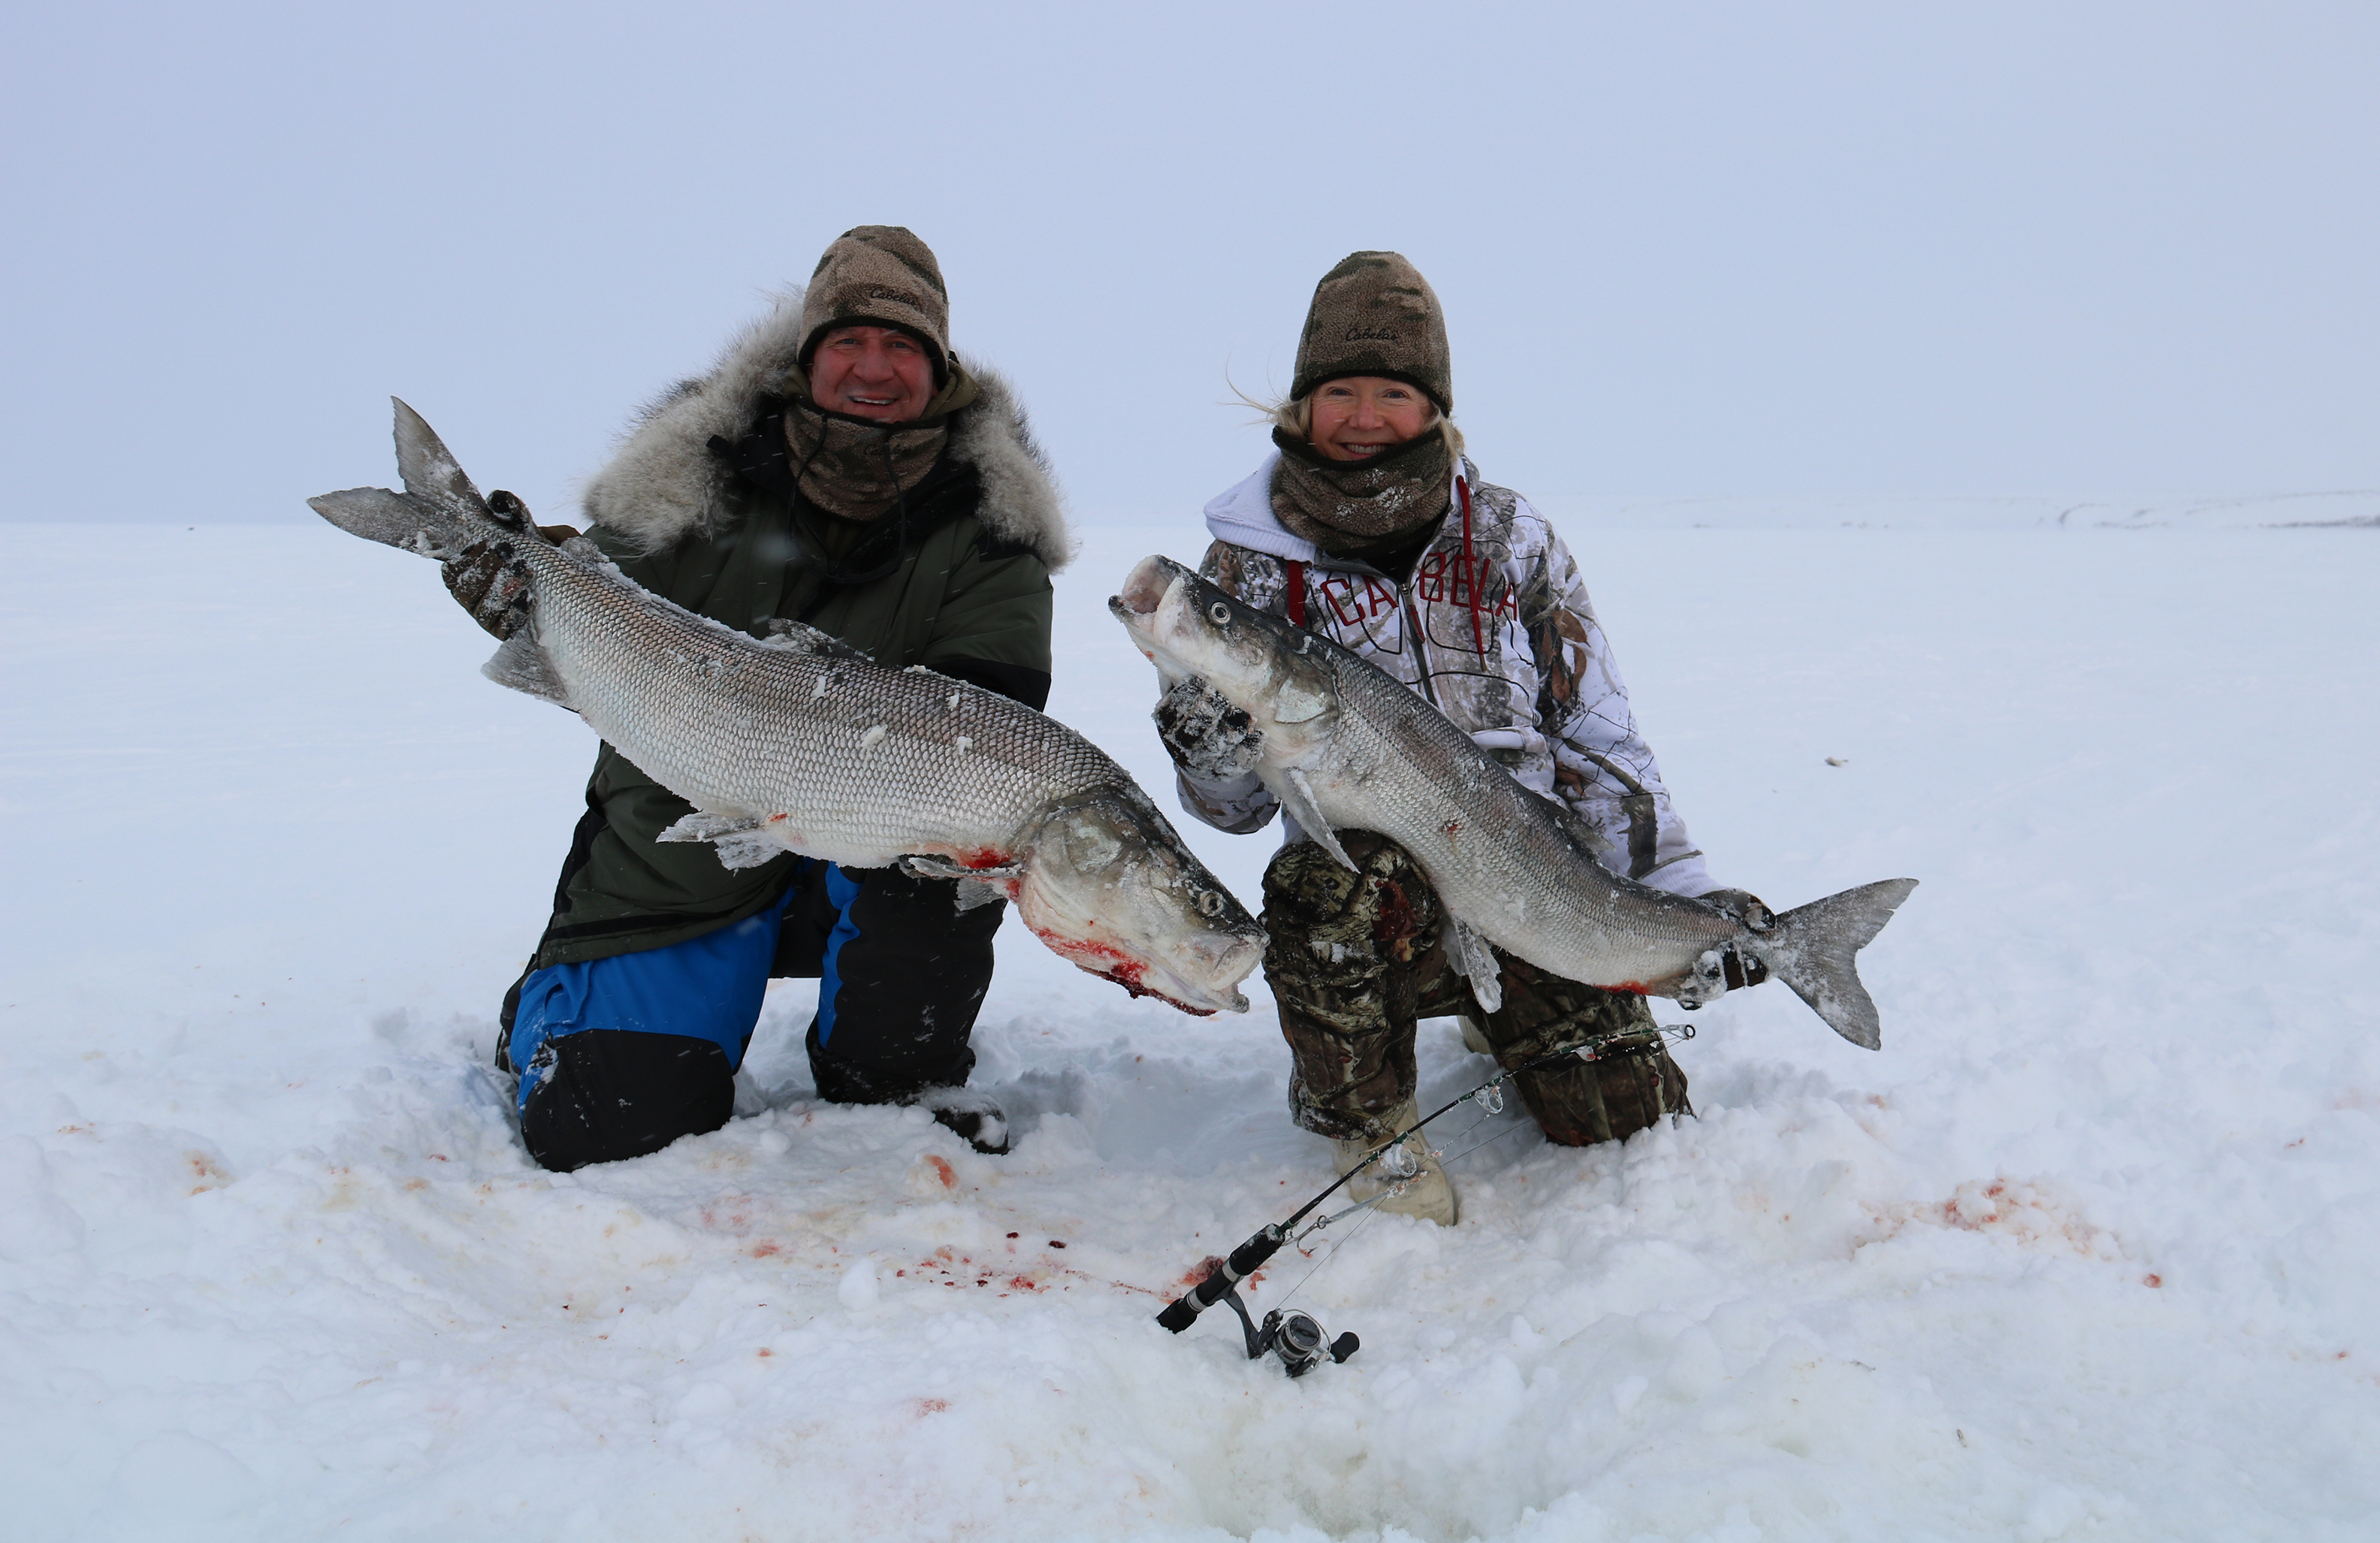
(1294, 1335)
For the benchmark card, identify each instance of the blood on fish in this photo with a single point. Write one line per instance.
(1116, 966)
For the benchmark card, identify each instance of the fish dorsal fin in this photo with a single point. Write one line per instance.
(798, 638)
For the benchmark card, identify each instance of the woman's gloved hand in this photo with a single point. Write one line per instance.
(1742, 904)
(1748, 908)
(1207, 736)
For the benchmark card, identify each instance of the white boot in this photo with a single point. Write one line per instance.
(1428, 1194)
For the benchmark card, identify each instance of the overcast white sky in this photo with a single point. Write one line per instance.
(1731, 250)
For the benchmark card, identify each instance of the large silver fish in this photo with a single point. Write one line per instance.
(800, 744)
(1344, 746)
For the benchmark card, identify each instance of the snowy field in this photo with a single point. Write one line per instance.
(2092, 1249)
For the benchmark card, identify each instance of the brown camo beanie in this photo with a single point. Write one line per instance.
(878, 275)
(1374, 314)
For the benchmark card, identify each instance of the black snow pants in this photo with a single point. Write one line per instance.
(621, 1056)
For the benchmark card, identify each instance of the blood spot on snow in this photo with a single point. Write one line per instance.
(1203, 1268)
(1012, 1234)
(1056, 1244)
(943, 1170)
(925, 1407)
(762, 1250)
(764, 1353)
(2153, 1280)
(409, 1184)
(1025, 1282)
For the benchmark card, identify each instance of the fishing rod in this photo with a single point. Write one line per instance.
(1294, 1335)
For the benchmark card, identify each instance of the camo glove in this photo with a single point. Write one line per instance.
(1746, 908)
(1207, 736)
(486, 582)
(1740, 906)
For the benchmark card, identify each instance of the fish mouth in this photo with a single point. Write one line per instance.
(1142, 977)
(1144, 588)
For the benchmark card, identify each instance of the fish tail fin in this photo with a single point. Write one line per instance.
(429, 469)
(1814, 949)
(437, 513)
(394, 519)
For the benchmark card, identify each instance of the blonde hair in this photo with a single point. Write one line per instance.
(1296, 415)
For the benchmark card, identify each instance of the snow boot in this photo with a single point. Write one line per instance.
(1429, 1193)
(970, 1116)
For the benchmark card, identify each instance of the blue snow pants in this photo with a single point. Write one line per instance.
(621, 1056)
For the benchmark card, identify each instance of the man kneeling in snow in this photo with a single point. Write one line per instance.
(840, 468)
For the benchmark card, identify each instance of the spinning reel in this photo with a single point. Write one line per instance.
(1293, 1336)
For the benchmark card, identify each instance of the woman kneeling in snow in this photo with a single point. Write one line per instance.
(1370, 527)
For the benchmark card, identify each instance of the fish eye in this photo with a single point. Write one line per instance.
(1211, 903)
(1219, 613)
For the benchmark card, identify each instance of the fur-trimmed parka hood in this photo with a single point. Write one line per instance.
(665, 483)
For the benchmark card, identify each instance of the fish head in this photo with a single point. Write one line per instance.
(1274, 670)
(1107, 883)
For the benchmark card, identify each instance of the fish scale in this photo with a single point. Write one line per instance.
(697, 690)
(797, 743)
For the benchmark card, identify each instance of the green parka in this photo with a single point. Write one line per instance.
(693, 510)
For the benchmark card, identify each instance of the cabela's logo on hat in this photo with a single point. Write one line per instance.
(1369, 334)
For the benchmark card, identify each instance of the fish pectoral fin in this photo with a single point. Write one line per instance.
(976, 886)
(1296, 795)
(523, 665)
(1467, 952)
(736, 853)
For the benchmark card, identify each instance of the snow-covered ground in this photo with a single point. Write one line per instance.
(2090, 1249)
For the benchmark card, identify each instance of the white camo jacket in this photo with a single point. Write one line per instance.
(1495, 628)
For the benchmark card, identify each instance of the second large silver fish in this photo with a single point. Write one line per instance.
(1345, 747)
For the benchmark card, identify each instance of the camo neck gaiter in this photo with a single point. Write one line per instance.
(856, 469)
(1344, 506)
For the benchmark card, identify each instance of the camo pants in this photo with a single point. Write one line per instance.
(1355, 961)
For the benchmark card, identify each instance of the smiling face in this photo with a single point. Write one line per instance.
(1357, 417)
(877, 373)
